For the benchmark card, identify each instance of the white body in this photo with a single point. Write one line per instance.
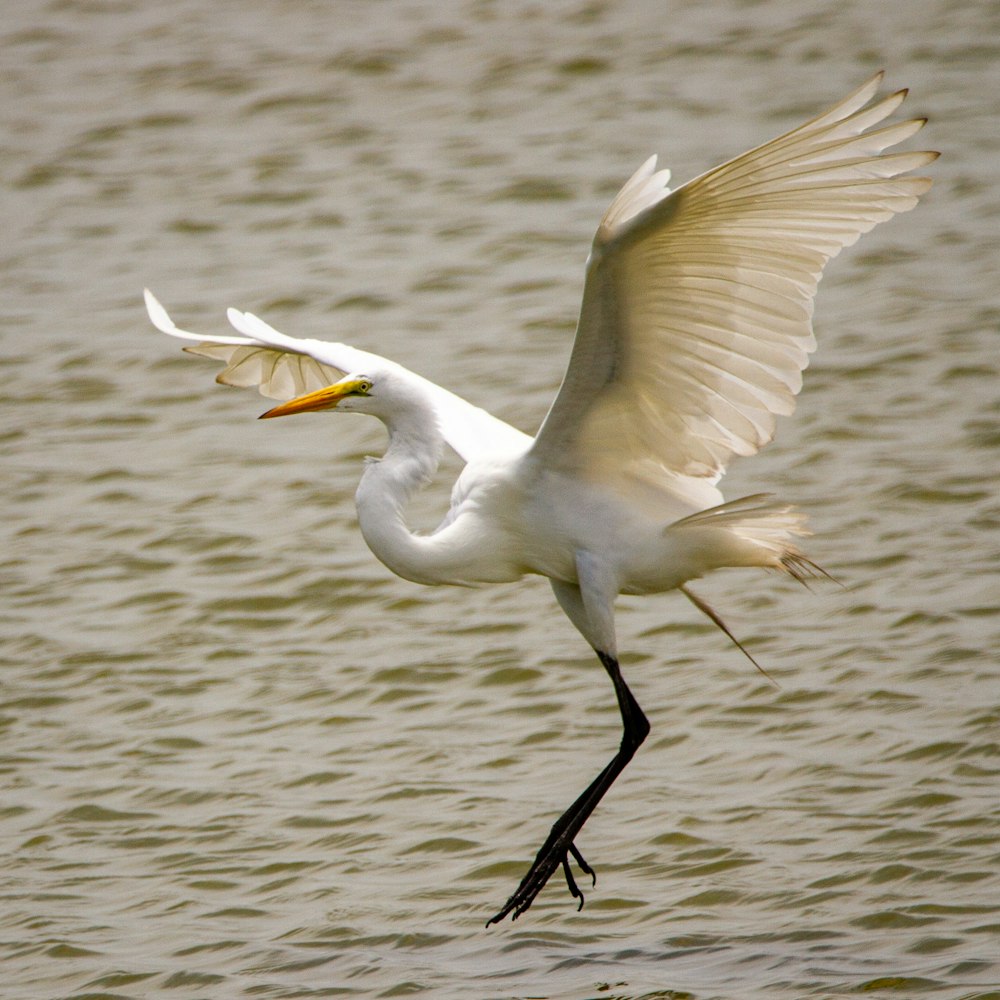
(694, 330)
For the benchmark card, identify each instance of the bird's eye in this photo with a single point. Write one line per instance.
(364, 387)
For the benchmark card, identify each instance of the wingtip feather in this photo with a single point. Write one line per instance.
(158, 316)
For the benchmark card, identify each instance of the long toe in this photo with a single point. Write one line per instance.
(584, 867)
(574, 889)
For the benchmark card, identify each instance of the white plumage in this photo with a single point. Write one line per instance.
(693, 334)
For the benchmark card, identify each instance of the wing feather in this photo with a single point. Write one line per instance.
(696, 321)
(282, 367)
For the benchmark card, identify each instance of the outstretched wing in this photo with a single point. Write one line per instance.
(696, 319)
(282, 367)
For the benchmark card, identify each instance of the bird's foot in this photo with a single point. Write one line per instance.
(553, 854)
(559, 844)
(574, 889)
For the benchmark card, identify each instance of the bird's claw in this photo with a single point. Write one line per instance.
(574, 889)
(584, 867)
(538, 874)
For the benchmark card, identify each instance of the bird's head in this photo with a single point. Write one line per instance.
(355, 393)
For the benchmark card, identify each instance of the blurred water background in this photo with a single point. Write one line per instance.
(239, 758)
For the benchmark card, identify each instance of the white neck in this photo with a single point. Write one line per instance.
(471, 548)
(409, 462)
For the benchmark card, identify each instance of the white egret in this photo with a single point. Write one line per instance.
(693, 334)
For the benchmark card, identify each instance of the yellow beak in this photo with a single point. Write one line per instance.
(322, 399)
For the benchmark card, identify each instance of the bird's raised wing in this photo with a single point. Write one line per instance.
(282, 367)
(696, 318)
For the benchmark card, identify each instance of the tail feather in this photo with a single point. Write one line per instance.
(706, 609)
(751, 531)
(760, 531)
(802, 569)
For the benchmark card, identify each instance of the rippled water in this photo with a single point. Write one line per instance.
(239, 758)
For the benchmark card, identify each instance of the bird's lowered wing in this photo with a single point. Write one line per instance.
(696, 318)
(282, 367)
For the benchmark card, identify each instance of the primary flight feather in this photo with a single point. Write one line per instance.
(695, 327)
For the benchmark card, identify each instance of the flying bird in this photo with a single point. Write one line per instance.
(693, 333)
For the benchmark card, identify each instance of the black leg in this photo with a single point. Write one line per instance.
(559, 844)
